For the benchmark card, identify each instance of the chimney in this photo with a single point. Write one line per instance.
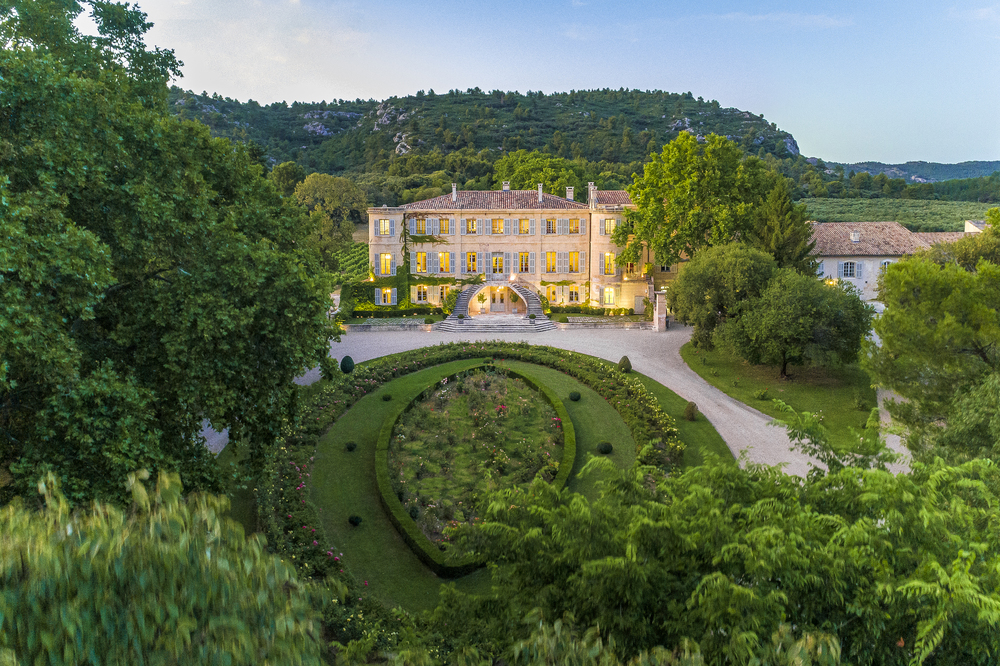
(855, 236)
(539, 193)
(591, 195)
(506, 186)
(569, 193)
(454, 192)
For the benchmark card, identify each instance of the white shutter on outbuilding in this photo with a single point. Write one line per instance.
(840, 269)
(858, 270)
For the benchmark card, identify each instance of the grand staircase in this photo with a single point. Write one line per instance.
(497, 323)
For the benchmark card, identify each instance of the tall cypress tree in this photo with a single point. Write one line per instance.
(783, 232)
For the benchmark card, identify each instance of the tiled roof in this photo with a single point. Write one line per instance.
(931, 237)
(889, 239)
(978, 224)
(494, 200)
(613, 198)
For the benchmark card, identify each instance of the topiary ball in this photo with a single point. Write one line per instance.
(428, 320)
(604, 448)
(346, 365)
(574, 396)
(563, 319)
(624, 364)
(351, 446)
(690, 411)
(354, 520)
(386, 397)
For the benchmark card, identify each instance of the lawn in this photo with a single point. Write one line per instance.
(832, 392)
(912, 214)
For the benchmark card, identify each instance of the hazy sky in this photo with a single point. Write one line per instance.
(852, 81)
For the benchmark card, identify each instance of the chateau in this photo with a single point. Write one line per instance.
(555, 247)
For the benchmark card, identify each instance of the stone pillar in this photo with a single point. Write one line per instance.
(660, 311)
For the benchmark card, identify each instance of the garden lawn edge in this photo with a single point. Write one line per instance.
(427, 552)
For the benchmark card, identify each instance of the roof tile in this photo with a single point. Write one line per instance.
(494, 200)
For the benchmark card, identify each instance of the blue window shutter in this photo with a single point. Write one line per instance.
(508, 227)
(506, 262)
(820, 269)
(840, 269)
(378, 295)
(562, 226)
(480, 267)
(531, 228)
(413, 226)
(392, 227)
(462, 231)
(859, 270)
(451, 262)
(413, 262)
(392, 268)
(531, 263)
(604, 228)
(583, 262)
(393, 296)
(464, 268)
(583, 225)
(480, 225)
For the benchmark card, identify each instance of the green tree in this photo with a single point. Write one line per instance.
(798, 318)
(286, 176)
(142, 267)
(167, 582)
(692, 196)
(524, 170)
(335, 206)
(781, 230)
(938, 350)
(712, 285)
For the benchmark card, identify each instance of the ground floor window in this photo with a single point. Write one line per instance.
(444, 293)
(574, 294)
(664, 268)
(421, 293)
(609, 263)
(849, 269)
(387, 296)
(609, 296)
(550, 293)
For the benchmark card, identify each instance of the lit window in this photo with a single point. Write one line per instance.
(630, 267)
(550, 293)
(444, 226)
(497, 226)
(444, 263)
(848, 269)
(387, 296)
(444, 293)
(550, 226)
(384, 228)
(574, 262)
(523, 262)
(574, 226)
(574, 294)
(524, 226)
(421, 294)
(609, 263)
(385, 263)
(498, 264)
(609, 295)
(470, 226)
(609, 226)
(420, 227)
(550, 262)
(421, 262)
(470, 262)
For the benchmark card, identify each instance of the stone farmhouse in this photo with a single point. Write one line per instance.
(522, 241)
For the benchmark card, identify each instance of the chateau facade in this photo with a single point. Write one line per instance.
(554, 246)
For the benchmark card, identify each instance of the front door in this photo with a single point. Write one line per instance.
(498, 300)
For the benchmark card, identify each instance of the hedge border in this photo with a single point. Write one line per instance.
(407, 528)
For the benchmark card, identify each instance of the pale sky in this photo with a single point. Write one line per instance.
(852, 81)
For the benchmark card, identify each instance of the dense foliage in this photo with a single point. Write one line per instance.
(142, 265)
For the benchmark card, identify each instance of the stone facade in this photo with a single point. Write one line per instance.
(557, 247)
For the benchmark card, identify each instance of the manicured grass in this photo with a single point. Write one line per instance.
(812, 389)
(699, 436)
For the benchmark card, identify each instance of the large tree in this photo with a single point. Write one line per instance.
(335, 206)
(712, 285)
(691, 196)
(150, 276)
(782, 230)
(797, 319)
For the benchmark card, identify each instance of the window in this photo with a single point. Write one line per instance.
(550, 226)
(550, 262)
(498, 264)
(444, 293)
(523, 262)
(664, 268)
(609, 263)
(421, 262)
(421, 293)
(444, 226)
(609, 227)
(574, 294)
(385, 264)
(470, 226)
(550, 293)
(420, 227)
(885, 264)
(574, 262)
(444, 263)
(497, 226)
(384, 228)
(574, 226)
(609, 296)
(387, 296)
(470, 262)
(524, 226)
(849, 269)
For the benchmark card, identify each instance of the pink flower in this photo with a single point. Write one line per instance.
(315, 543)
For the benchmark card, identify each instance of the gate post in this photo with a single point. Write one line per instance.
(660, 311)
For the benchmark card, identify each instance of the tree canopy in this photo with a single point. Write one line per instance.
(782, 230)
(150, 276)
(335, 206)
(524, 170)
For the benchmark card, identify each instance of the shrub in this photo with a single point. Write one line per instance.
(351, 446)
(386, 397)
(574, 396)
(346, 365)
(690, 411)
(414, 511)
(604, 448)
(532, 316)
(563, 319)
(461, 316)
(328, 368)
(624, 364)
(428, 320)
(761, 394)
(859, 400)
(631, 311)
(354, 520)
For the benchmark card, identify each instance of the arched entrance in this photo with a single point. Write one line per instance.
(496, 299)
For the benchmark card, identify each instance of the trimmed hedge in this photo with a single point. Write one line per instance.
(390, 313)
(428, 553)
